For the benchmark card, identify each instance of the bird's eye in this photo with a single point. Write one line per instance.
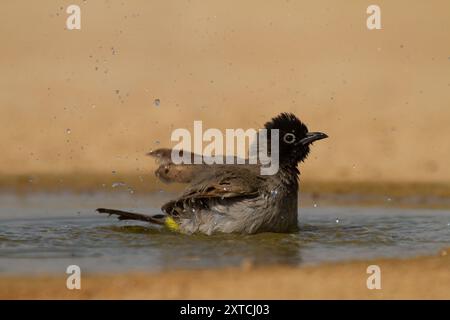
(289, 138)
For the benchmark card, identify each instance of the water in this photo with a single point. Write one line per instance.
(44, 233)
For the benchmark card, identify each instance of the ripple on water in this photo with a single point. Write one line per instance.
(101, 244)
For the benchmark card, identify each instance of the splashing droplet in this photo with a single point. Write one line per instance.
(118, 184)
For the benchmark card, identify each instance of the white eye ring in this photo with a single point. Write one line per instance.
(289, 138)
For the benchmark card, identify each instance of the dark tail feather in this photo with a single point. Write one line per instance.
(124, 215)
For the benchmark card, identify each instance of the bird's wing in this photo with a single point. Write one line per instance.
(168, 171)
(225, 181)
(222, 182)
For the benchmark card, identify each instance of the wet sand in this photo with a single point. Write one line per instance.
(367, 193)
(419, 278)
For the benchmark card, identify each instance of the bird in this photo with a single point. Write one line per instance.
(234, 198)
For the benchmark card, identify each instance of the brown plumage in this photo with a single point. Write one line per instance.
(232, 197)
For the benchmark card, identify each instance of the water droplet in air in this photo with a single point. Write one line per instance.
(337, 220)
(157, 102)
(117, 184)
(68, 131)
(315, 205)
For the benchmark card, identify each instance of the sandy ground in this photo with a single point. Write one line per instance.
(420, 278)
(83, 101)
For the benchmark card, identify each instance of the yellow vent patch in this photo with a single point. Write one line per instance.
(172, 224)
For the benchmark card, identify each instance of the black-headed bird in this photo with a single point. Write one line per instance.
(235, 198)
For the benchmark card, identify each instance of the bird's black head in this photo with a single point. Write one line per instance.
(294, 137)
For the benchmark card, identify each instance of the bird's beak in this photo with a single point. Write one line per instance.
(313, 136)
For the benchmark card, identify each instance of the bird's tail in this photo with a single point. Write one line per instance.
(124, 215)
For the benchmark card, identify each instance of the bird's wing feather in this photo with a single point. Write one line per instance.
(168, 171)
(222, 182)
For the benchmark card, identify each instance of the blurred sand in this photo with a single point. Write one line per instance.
(76, 102)
(420, 278)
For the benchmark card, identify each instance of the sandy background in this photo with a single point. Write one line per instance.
(83, 101)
